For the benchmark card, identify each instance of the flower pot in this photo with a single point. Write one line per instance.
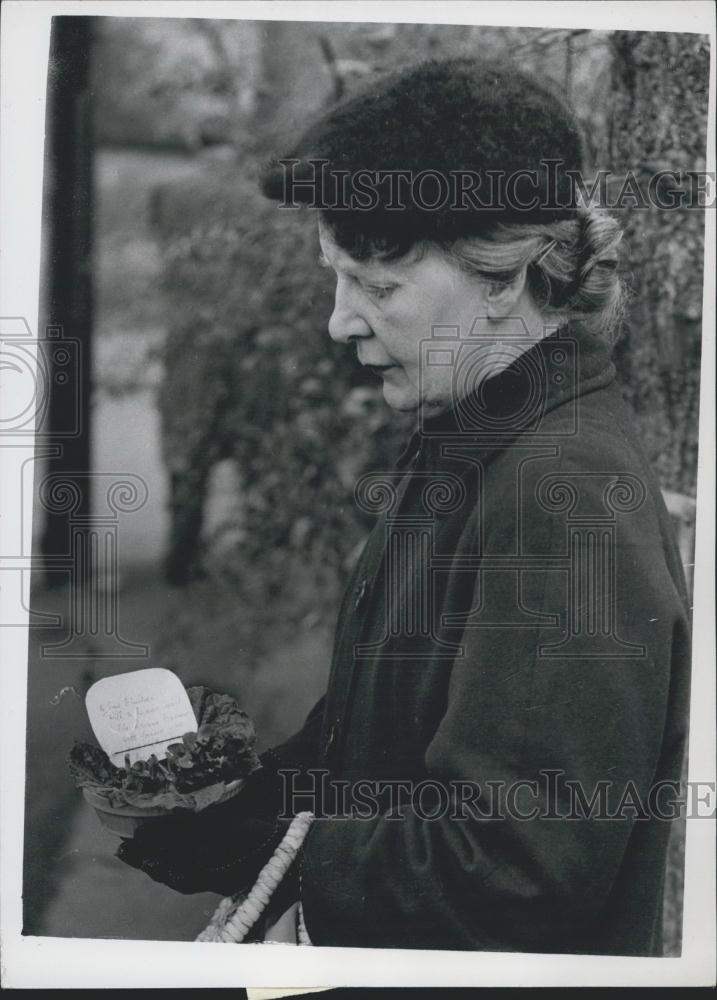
(124, 821)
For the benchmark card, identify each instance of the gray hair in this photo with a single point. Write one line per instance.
(572, 266)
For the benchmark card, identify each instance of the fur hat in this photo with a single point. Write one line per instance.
(444, 149)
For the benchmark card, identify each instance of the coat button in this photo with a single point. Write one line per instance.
(360, 593)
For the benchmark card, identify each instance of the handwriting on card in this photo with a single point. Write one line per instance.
(140, 713)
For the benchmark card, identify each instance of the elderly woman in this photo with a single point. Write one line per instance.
(500, 743)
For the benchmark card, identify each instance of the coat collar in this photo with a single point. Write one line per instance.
(557, 370)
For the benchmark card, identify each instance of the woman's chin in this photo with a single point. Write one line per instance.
(400, 397)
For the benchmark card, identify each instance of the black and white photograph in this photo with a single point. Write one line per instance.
(358, 489)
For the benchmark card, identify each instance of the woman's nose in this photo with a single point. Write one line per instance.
(346, 323)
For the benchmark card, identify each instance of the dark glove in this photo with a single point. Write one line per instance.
(263, 794)
(221, 849)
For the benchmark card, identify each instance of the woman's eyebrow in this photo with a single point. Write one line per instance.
(357, 271)
(350, 270)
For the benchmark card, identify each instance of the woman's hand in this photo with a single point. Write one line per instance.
(221, 849)
(207, 852)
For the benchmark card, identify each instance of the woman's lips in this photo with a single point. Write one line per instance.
(380, 369)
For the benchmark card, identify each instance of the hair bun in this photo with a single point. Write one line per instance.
(600, 236)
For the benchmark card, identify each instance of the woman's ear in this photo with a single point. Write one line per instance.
(503, 296)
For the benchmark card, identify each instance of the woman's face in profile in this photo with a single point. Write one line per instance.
(408, 318)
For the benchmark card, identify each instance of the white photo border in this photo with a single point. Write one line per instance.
(81, 963)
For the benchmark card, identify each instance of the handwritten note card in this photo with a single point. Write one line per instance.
(140, 713)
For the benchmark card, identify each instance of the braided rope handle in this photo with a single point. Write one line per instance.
(234, 917)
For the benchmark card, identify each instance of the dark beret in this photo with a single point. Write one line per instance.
(444, 149)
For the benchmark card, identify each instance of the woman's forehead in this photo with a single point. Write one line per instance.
(334, 256)
(342, 261)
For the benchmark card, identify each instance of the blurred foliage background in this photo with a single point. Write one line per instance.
(215, 380)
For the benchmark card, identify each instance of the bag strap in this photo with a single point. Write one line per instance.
(235, 916)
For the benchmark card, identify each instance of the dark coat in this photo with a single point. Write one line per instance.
(526, 622)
